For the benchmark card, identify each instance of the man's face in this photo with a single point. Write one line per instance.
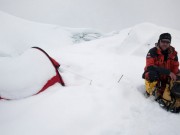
(164, 44)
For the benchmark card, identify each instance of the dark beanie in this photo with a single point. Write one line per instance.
(165, 36)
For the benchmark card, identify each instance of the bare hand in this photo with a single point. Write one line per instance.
(173, 76)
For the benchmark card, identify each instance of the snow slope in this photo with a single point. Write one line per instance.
(104, 88)
(17, 35)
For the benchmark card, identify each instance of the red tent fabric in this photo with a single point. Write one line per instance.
(56, 78)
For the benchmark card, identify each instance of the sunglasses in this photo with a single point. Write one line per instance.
(165, 41)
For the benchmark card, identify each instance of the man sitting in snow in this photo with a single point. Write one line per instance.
(161, 69)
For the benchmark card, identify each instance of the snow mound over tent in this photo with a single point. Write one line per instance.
(24, 75)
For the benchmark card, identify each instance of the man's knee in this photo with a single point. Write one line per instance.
(150, 86)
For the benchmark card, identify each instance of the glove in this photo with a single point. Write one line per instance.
(152, 76)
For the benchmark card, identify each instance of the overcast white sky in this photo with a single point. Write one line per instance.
(105, 15)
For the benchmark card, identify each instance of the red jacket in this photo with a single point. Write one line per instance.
(164, 61)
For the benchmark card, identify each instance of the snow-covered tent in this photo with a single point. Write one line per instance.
(28, 74)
